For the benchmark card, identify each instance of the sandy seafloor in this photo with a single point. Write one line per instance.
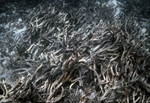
(13, 25)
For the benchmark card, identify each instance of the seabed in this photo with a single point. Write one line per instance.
(59, 51)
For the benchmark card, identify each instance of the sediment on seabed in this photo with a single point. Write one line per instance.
(80, 55)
